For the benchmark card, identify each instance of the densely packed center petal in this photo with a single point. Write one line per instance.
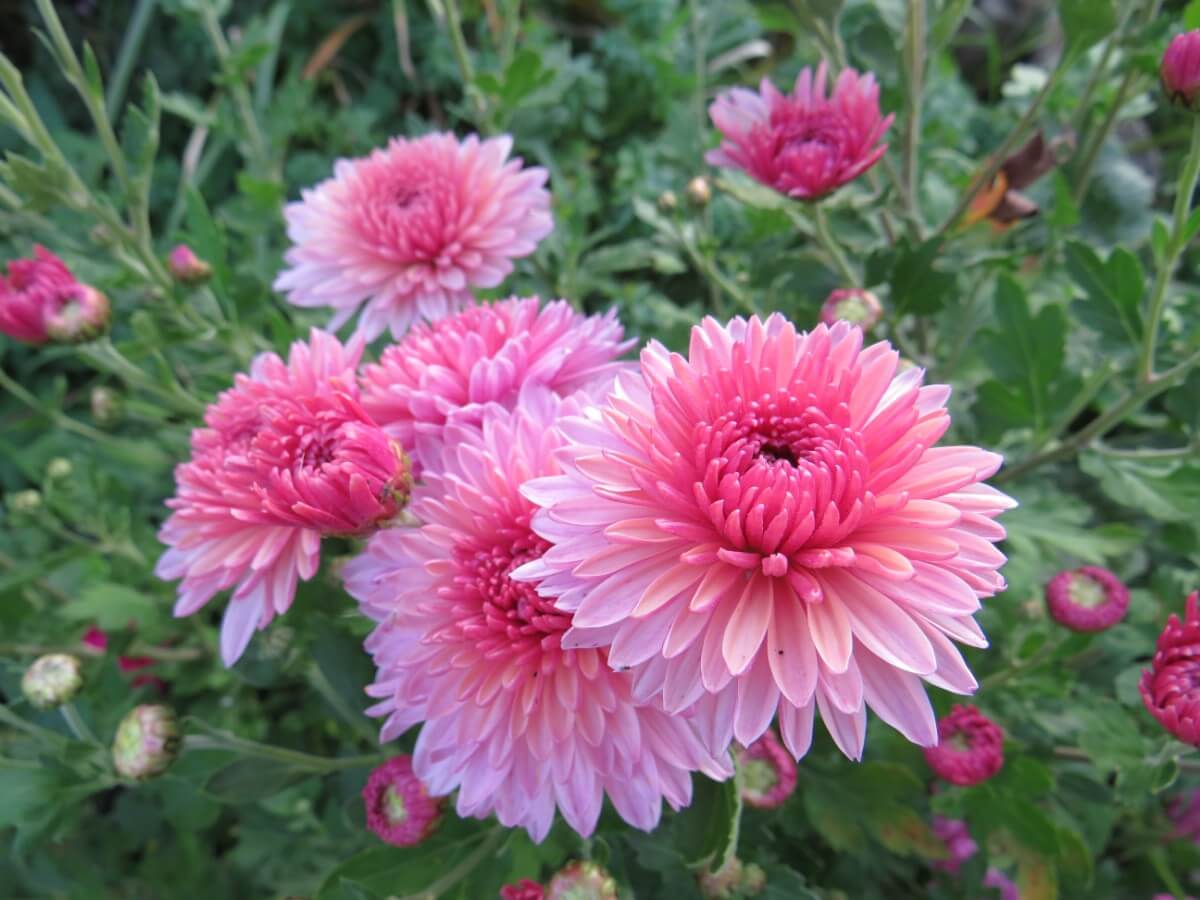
(766, 525)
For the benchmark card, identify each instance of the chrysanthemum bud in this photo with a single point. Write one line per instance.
(399, 808)
(960, 846)
(147, 742)
(733, 881)
(105, 405)
(1180, 69)
(525, 889)
(41, 300)
(58, 469)
(80, 316)
(25, 501)
(187, 267)
(970, 747)
(1087, 599)
(766, 773)
(582, 881)
(699, 191)
(52, 680)
(858, 307)
(667, 202)
(1169, 687)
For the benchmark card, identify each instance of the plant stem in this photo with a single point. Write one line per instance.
(1175, 248)
(462, 55)
(220, 740)
(11, 719)
(241, 96)
(914, 54)
(351, 717)
(830, 246)
(37, 406)
(75, 722)
(135, 34)
(464, 868)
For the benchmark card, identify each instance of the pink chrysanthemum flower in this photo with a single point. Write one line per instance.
(1169, 686)
(804, 144)
(767, 773)
(287, 455)
(515, 720)
(960, 846)
(486, 354)
(525, 889)
(41, 300)
(766, 521)
(1087, 599)
(399, 808)
(970, 747)
(1183, 809)
(410, 229)
(1180, 68)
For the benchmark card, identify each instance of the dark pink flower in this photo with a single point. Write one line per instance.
(1087, 599)
(1169, 686)
(994, 878)
(970, 747)
(767, 773)
(95, 639)
(399, 809)
(959, 844)
(523, 890)
(1180, 69)
(858, 307)
(41, 300)
(804, 144)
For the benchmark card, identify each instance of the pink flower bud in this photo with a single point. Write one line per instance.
(523, 890)
(147, 742)
(1087, 599)
(1169, 686)
(41, 300)
(1180, 69)
(970, 747)
(52, 680)
(582, 881)
(399, 808)
(187, 267)
(767, 773)
(858, 307)
(960, 846)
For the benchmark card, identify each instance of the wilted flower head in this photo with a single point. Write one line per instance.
(147, 742)
(399, 809)
(52, 680)
(1087, 599)
(286, 456)
(767, 774)
(767, 522)
(804, 144)
(582, 881)
(960, 846)
(1169, 686)
(41, 300)
(853, 305)
(410, 229)
(525, 889)
(970, 747)
(1180, 69)
(186, 266)
(1002, 202)
(514, 719)
(486, 354)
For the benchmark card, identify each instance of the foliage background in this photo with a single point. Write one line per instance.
(1038, 328)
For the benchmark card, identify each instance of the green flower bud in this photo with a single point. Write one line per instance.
(147, 742)
(52, 680)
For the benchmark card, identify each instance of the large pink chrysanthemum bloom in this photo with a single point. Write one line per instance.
(41, 300)
(486, 354)
(287, 455)
(514, 720)
(1169, 687)
(410, 229)
(804, 144)
(767, 522)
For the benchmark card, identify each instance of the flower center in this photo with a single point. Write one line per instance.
(758, 775)
(512, 609)
(394, 808)
(1086, 591)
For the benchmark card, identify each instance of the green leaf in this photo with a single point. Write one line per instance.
(815, 13)
(1191, 15)
(204, 235)
(112, 606)
(1086, 22)
(1165, 490)
(707, 830)
(917, 286)
(250, 780)
(1113, 291)
(945, 23)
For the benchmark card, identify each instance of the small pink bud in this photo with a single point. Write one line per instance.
(1087, 599)
(1180, 69)
(766, 773)
(399, 808)
(858, 307)
(52, 680)
(187, 267)
(582, 881)
(147, 742)
(970, 747)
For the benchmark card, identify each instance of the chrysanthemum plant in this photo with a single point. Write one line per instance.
(713, 450)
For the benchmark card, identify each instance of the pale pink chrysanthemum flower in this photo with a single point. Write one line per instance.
(764, 525)
(410, 229)
(515, 721)
(804, 144)
(486, 354)
(287, 455)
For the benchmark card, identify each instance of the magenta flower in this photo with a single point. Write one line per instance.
(960, 846)
(186, 266)
(399, 808)
(1087, 599)
(858, 307)
(486, 354)
(804, 144)
(525, 889)
(1168, 687)
(996, 879)
(519, 723)
(767, 526)
(1180, 68)
(768, 773)
(970, 747)
(41, 300)
(287, 455)
(410, 229)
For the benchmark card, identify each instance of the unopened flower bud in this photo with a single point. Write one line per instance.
(105, 405)
(52, 680)
(1180, 69)
(699, 191)
(582, 881)
(82, 315)
(970, 747)
(58, 469)
(399, 807)
(187, 267)
(668, 202)
(147, 742)
(858, 307)
(733, 881)
(1089, 598)
(767, 773)
(525, 889)
(25, 501)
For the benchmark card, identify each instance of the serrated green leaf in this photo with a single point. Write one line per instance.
(1169, 491)
(1113, 291)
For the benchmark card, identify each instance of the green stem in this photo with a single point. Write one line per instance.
(131, 45)
(1175, 248)
(37, 406)
(221, 740)
(351, 717)
(830, 246)
(11, 719)
(241, 96)
(464, 868)
(462, 56)
(1087, 393)
(78, 727)
(914, 52)
(1095, 142)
